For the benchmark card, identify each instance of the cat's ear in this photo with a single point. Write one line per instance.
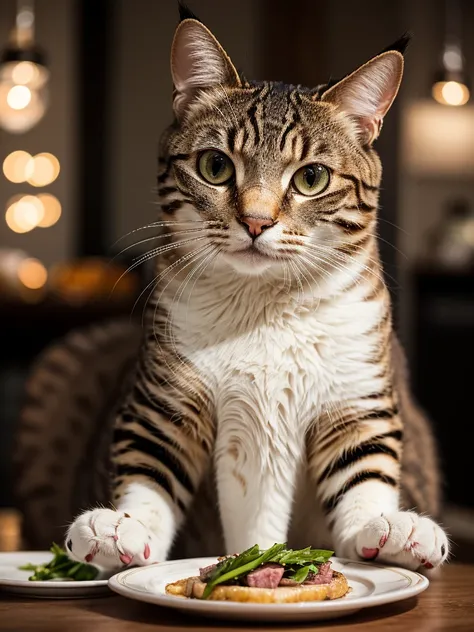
(198, 61)
(367, 94)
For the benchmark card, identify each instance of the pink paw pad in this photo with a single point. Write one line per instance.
(92, 553)
(146, 553)
(410, 546)
(369, 554)
(125, 558)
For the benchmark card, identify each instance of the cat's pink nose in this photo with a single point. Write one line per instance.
(256, 225)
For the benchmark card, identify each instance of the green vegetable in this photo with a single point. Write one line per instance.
(61, 567)
(301, 574)
(300, 562)
(234, 567)
(303, 556)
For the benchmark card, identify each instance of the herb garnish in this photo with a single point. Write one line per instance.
(61, 567)
(298, 562)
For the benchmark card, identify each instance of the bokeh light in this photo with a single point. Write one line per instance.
(52, 210)
(10, 215)
(451, 93)
(39, 170)
(24, 72)
(18, 166)
(32, 274)
(21, 108)
(45, 170)
(18, 97)
(24, 213)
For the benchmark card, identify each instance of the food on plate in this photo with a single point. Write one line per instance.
(275, 575)
(61, 568)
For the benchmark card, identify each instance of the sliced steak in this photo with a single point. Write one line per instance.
(267, 576)
(286, 581)
(323, 577)
(205, 572)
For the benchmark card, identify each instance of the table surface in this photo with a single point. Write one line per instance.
(448, 604)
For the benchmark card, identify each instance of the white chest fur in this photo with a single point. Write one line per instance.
(288, 356)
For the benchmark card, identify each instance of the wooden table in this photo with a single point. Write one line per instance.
(448, 604)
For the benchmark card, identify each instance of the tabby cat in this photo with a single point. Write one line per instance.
(269, 384)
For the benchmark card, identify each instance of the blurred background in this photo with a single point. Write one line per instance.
(85, 92)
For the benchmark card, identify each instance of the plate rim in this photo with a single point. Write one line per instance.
(413, 589)
(50, 585)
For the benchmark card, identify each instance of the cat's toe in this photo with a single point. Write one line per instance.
(110, 539)
(403, 538)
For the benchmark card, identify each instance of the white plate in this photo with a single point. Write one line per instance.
(372, 585)
(15, 581)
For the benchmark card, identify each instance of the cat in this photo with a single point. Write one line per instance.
(269, 374)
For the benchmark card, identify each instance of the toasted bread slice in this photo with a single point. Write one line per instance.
(194, 587)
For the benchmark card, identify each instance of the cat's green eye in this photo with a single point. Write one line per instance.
(215, 167)
(311, 179)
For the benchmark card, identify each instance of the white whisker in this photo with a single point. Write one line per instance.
(162, 236)
(156, 280)
(163, 224)
(177, 297)
(155, 253)
(158, 300)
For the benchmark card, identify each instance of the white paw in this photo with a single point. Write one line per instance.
(405, 539)
(111, 539)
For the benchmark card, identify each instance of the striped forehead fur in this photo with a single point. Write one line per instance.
(199, 63)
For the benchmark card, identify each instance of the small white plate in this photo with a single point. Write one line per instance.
(372, 585)
(13, 580)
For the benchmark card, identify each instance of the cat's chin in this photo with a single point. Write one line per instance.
(248, 262)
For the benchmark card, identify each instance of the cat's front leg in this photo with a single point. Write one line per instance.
(256, 461)
(163, 441)
(356, 464)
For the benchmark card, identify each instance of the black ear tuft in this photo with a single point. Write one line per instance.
(185, 12)
(400, 45)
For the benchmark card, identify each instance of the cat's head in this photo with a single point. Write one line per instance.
(271, 174)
